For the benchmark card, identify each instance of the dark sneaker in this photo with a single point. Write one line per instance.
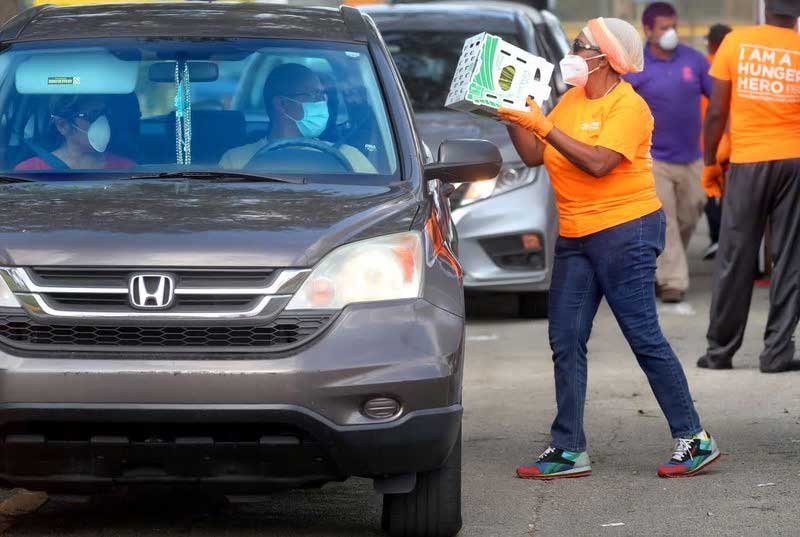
(794, 365)
(705, 362)
(691, 456)
(557, 463)
(711, 251)
(671, 296)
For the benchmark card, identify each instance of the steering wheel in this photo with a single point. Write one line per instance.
(308, 143)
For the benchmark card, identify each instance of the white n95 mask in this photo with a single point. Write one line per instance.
(575, 69)
(99, 134)
(669, 40)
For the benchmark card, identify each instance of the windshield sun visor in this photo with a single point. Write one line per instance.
(74, 72)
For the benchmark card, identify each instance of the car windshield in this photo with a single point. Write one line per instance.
(144, 107)
(427, 62)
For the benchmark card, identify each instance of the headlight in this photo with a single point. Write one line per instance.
(7, 298)
(384, 268)
(510, 177)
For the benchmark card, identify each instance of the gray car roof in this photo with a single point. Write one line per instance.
(492, 17)
(189, 19)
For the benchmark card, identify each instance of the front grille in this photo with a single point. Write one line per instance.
(22, 332)
(118, 277)
(217, 295)
(122, 301)
(113, 278)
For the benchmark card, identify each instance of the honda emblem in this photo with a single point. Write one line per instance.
(151, 291)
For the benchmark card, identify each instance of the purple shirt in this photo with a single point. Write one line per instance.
(672, 89)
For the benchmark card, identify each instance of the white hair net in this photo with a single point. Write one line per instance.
(620, 42)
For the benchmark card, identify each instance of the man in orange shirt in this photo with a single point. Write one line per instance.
(757, 86)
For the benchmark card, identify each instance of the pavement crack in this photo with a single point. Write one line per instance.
(537, 508)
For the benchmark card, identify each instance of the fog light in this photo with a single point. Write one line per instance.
(532, 241)
(381, 408)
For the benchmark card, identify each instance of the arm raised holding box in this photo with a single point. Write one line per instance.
(595, 160)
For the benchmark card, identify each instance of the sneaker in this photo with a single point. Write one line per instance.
(711, 251)
(691, 456)
(557, 463)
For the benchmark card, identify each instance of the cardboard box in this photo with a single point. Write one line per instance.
(492, 74)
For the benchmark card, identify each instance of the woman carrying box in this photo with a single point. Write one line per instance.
(595, 145)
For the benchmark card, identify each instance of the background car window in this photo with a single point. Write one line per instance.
(220, 92)
(427, 62)
(552, 43)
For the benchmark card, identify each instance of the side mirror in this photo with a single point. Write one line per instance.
(465, 161)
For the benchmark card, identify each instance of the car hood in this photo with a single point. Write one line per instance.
(436, 127)
(192, 223)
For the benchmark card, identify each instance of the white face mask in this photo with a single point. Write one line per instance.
(669, 40)
(575, 69)
(99, 134)
(314, 120)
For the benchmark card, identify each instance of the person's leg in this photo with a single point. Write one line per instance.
(690, 200)
(713, 211)
(625, 262)
(574, 299)
(744, 209)
(784, 291)
(672, 272)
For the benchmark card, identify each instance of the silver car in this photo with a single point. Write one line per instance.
(507, 226)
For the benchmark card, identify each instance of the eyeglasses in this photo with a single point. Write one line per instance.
(578, 45)
(90, 116)
(309, 96)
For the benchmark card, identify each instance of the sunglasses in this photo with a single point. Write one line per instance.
(578, 45)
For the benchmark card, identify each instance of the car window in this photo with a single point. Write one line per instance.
(551, 41)
(131, 106)
(427, 62)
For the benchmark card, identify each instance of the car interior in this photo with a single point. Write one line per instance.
(230, 112)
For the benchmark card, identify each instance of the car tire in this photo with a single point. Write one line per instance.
(433, 508)
(533, 305)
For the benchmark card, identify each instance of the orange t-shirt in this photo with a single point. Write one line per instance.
(763, 65)
(620, 121)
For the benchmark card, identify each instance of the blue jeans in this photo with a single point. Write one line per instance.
(619, 264)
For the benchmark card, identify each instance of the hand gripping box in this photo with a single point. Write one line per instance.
(492, 74)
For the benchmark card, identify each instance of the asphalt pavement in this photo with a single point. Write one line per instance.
(508, 395)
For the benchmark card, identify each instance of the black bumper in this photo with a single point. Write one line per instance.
(237, 448)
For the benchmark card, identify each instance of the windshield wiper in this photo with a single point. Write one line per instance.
(221, 176)
(6, 179)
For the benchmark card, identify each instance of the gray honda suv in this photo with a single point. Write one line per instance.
(225, 260)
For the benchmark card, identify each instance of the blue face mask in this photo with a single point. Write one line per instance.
(314, 120)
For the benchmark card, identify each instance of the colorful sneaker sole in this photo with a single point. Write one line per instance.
(560, 475)
(708, 462)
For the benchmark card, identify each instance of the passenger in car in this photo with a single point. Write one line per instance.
(80, 131)
(297, 108)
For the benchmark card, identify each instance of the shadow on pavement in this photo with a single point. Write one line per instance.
(339, 510)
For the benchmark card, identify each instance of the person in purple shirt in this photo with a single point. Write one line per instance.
(674, 78)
